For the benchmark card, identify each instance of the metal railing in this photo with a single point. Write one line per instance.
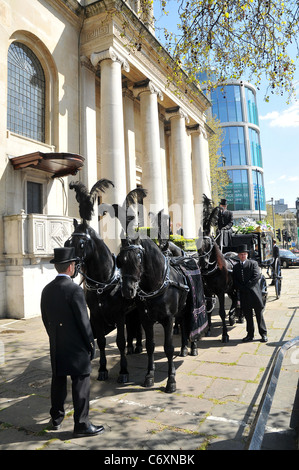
(259, 424)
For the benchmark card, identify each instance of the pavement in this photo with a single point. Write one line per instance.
(217, 397)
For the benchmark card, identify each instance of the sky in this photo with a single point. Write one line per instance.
(279, 133)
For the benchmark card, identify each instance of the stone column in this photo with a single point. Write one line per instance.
(88, 147)
(200, 170)
(151, 160)
(182, 194)
(112, 134)
(129, 136)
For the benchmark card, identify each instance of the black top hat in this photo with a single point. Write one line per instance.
(64, 255)
(242, 249)
(223, 202)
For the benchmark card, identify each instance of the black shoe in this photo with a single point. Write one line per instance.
(90, 431)
(247, 339)
(53, 427)
(264, 339)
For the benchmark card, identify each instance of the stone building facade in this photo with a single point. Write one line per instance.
(79, 102)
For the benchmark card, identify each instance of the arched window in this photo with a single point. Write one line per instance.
(26, 93)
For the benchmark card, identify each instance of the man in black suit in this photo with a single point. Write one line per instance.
(275, 252)
(72, 346)
(246, 275)
(225, 223)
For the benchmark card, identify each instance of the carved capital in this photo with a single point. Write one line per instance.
(176, 112)
(197, 129)
(147, 86)
(97, 57)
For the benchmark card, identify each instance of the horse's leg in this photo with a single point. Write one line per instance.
(209, 306)
(102, 372)
(123, 376)
(148, 327)
(225, 337)
(138, 348)
(99, 333)
(130, 333)
(232, 310)
(184, 338)
(169, 349)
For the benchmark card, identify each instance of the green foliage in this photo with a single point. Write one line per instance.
(235, 39)
(186, 244)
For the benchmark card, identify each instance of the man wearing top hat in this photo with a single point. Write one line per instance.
(72, 347)
(225, 223)
(246, 275)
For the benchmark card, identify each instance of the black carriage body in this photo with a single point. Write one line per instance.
(259, 244)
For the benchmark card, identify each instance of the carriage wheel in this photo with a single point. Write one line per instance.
(263, 285)
(277, 278)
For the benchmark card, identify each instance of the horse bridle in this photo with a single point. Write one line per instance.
(207, 254)
(166, 276)
(92, 284)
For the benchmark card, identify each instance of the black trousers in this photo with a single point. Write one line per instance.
(261, 325)
(80, 394)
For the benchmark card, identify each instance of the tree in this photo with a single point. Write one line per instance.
(235, 39)
(219, 177)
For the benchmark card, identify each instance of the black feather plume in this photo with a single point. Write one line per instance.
(87, 199)
(210, 215)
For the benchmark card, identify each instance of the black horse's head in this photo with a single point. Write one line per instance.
(130, 263)
(84, 239)
(205, 254)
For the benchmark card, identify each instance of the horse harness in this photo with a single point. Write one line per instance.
(92, 284)
(167, 282)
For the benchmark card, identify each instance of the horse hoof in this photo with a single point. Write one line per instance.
(123, 378)
(184, 352)
(232, 321)
(225, 339)
(170, 387)
(103, 375)
(148, 382)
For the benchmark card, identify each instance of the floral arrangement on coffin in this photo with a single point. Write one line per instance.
(248, 225)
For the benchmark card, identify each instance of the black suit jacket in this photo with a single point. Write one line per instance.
(225, 220)
(248, 284)
(66, 320)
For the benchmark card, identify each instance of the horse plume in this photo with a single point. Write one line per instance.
(135, 196)
(87, 198)
(210, 214)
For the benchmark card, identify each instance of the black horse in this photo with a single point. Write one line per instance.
(216, 271)
(108, 308)
(162, 295)
(218, 280)
(102, 291)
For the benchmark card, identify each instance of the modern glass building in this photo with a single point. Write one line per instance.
(235, 107)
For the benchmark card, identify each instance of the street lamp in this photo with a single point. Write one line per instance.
(272, 202)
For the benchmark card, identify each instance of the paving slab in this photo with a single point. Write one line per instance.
(217, 397)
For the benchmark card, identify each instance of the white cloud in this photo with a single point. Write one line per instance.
(286, 118)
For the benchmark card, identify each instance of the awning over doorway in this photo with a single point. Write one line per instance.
(58, 164)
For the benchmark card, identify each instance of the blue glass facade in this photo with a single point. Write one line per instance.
(234, 105)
